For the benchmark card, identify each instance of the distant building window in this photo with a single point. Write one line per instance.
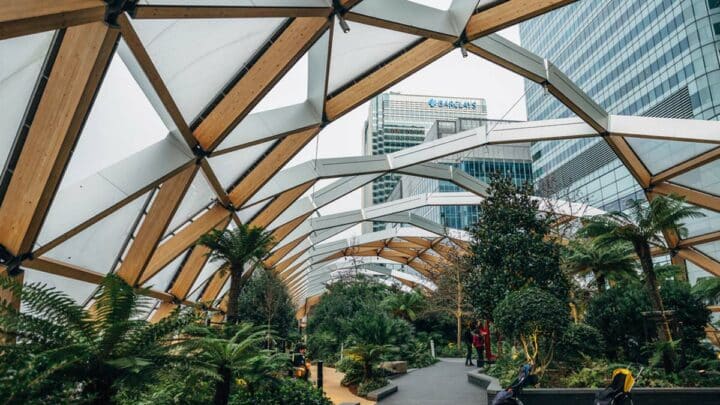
(714, 4)
(716, 26)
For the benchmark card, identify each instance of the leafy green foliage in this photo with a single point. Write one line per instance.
(510, 251)
(708, 289)
(372, 336)
(265, 301)
(691, 314)
(405, 305)
(236, 248)
(580, 340)
(617, 315)
(288, 391)
(536, 318)
(232, 354)
(642, 225)
(342, 300)
(614, 263)
(66, 352)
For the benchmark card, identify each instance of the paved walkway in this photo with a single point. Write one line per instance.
(336, 392)
(442, 383)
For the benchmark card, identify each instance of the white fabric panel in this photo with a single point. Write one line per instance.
(257, 128)
(660, 155)
(198, 57)
(121, 122)
(291, 89)
(439, 4)
(161, 280)
(229, 167)
(247, 214)
(75, 203)
(198, 196)
(77, 290)
(705, 178)
(207, 271)
(21, 60)
(97, 247)
(361, 49)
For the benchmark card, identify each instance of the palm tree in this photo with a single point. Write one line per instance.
(370, 333)
(643, 227)
(237, 247)
(603, 262)
(708, 288)
(405, 305)
(66, 351)
(227, 359)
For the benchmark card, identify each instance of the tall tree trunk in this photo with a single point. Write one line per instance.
(458, 314)
(222, 387)
(236, 272)
(651, 284)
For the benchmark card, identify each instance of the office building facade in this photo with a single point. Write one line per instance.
(638, 57)
(397, 121)
(657, 58)
(512, 160)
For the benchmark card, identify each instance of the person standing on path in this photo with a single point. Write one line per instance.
(468, 340)
(479, 343)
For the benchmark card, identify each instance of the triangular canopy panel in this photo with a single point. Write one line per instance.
(98, 247)
(706, 178)
(362, 49)
(196, 67)
(19, 75)
(660, 155)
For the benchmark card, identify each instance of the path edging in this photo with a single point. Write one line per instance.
(382, 392)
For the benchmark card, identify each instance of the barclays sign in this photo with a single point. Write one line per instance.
(459, 105)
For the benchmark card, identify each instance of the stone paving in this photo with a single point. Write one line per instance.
(442, 383)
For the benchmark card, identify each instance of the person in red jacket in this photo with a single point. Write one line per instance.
(478, 343)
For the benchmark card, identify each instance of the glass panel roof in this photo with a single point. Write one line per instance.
(21, 60)
(700, 226)
(711, 249)
(660, 155)
(705, 178)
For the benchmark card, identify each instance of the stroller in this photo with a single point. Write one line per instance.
(510, 395)
(618, 393)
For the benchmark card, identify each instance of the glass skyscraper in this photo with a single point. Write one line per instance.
(512, 160)
(397, 121)
(655, 58)
(635, 57)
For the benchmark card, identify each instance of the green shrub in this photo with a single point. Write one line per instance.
(506, 368)
(288, 391)
(691, 314)
(617, 315)
(371, 385)
(417, 354)
(353, 370)
(536, 318)
(323, 346)
(580, 340)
